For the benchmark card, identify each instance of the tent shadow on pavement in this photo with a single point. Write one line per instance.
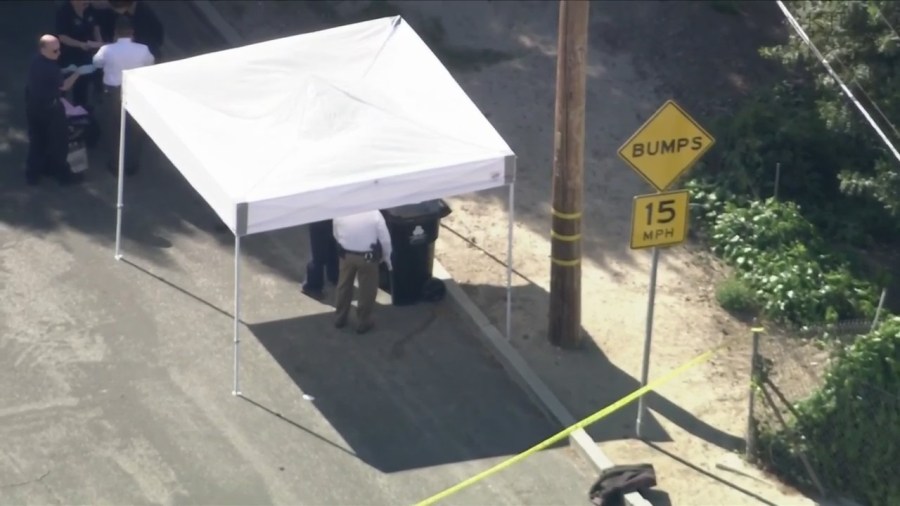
(418, 391)
(85, 208)
(592, 382)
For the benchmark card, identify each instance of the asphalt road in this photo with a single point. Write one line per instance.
(116, 376)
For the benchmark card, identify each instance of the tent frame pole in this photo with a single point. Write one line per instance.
(120, 202)
(237, 314)
(509, 260)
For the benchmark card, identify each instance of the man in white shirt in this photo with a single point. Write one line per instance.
(115, 58)
(363, 243)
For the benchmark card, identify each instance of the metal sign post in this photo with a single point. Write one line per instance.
(666, 146)
(648, 337)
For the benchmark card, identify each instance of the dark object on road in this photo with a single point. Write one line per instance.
(615, 482)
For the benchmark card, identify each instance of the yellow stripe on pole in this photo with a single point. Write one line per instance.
(566, 263)
(565, 216)
(563, 237)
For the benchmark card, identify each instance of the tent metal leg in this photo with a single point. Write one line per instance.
(237, 314)
(120, 203)
(509, 260)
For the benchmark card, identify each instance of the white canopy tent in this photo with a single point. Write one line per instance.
(316, 126)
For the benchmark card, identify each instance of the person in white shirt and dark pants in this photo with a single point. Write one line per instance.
(363, 243)
(115, 58)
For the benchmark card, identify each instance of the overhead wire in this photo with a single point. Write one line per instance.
(802, 34)
(897, 36)
(833, 55)
(883, 17)
(856, 81)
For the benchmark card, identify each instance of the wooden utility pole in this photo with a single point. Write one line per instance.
(568, 170)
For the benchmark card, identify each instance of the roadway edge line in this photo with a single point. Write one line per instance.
(512, 361)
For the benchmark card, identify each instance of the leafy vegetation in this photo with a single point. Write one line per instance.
(850, 428)
(838, 192)
(860, 40)
(783, 259)
(781, 131)
(736, 297)
(837, 185)
(832, 163)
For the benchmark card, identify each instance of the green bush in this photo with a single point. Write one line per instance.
(782, 126)
(850, 428)
(780, 255)
(736, 297)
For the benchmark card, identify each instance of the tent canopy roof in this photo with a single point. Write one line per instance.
(319, 125)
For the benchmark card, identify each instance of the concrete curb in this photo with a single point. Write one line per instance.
(502, 350)
(521, 372)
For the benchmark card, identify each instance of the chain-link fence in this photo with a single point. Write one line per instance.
(788, 367)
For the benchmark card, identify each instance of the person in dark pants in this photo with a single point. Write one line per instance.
(324, 261)
(79, 35)
(114, 59)
(148, 30)
(48, 130)
(106, 22)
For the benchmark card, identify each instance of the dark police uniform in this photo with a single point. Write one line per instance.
(148, 30)
(106, 20)
(48, 132)
(324, 258)
(81, 28)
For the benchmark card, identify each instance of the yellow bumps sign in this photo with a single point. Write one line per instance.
(667, 145)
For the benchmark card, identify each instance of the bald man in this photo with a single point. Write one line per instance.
(48, 132)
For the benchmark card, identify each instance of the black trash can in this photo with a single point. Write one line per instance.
(414, 229)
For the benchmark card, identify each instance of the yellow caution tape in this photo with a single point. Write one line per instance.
(565, 216)
(566, 263)
(563, 237)
(612, 408)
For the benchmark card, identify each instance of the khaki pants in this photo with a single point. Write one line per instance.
(352, 266)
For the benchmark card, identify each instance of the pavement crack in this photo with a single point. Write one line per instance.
(23, 483)
(49, 490)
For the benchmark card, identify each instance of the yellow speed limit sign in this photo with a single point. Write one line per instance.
(660, 219)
